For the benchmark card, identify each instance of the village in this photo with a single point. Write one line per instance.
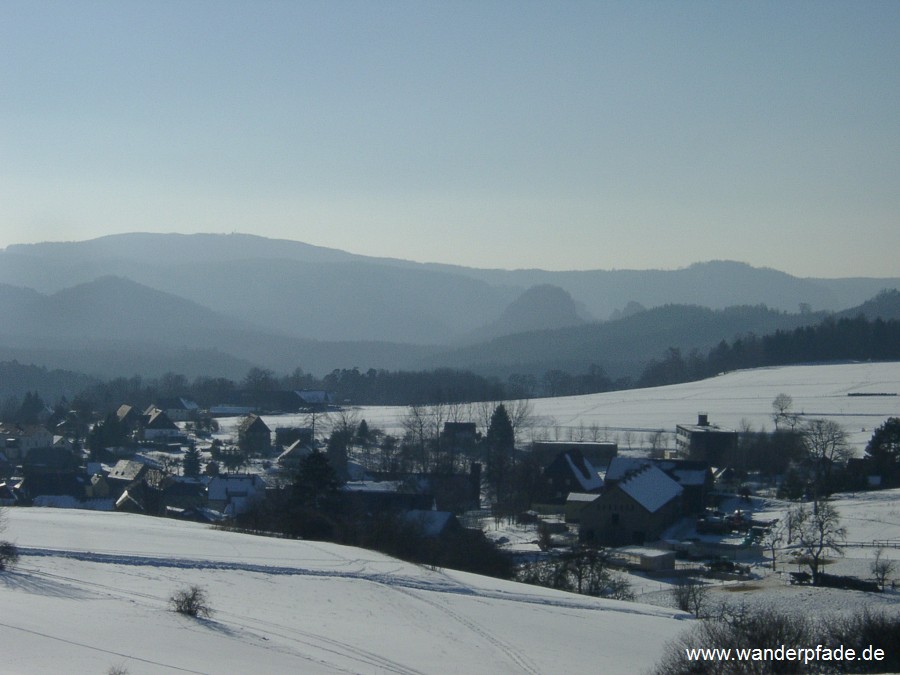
(693, 512)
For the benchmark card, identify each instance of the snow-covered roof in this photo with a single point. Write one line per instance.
(651, 488)
(620, 466)
(373, 486)
(587, 475)
(582, 497)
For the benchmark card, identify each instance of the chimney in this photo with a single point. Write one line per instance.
(702, 420)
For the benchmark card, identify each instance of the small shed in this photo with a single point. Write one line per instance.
(648, 559)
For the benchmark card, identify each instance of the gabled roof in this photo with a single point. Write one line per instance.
(159, 420)
(253, 423)
(583, 471)
(619, 467)
(582, 497)
(126, 412)
(571, 464)
(651, 488)
(128, 469)
(685, 472)
(296, 450)
(313, 396)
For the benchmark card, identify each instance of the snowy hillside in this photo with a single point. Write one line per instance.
(91, 594)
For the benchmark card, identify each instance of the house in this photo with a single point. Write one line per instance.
(127, 471)
(704, 441)
(695, 477)
(97, 487)
(254, 435)
(234, 494)
(634, 510)
(456, 492)
(128, 417)
(291, 458)
(16, 441)
(314, 398)
(575, 503)
(51, 471)
(568, 472)
(369, 497)
(158, 491)
(158, 427)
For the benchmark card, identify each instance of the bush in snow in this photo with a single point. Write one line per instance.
(191, 601)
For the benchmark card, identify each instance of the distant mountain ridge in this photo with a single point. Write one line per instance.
(621, 347)
(238, 300)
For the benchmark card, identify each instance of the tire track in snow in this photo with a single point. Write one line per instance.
(379, 577)
(314, 640)
(522, 663)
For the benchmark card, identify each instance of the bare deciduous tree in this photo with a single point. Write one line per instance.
(826, 445)
(773, 538)
(691, 595)
(819, 532)
(783, 412)
(882, 568)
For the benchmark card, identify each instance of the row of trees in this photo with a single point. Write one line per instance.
(858, 339)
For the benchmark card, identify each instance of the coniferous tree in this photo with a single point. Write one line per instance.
(500, 442)
(883, 450)
(191, 463)
(316, 480)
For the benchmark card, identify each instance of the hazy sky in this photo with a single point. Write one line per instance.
(561, 135)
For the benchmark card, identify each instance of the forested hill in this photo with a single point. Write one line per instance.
(832, 340)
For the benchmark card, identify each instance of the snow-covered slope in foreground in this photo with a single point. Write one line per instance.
(91, 593)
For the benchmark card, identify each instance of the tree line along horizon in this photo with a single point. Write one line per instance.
(857, 339)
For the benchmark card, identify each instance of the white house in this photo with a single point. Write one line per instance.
(235, 493)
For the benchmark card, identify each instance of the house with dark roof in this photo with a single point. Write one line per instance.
(569, 472)
(598, 453)
(51, 471)
(254, 435)
(314, 398)
(634, 510)
(128, 417)
(157, 426)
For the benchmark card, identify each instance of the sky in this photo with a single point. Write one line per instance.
(557, 135)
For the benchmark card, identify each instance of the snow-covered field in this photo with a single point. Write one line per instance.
(867, 517)
(729, 399)
(91, 594)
